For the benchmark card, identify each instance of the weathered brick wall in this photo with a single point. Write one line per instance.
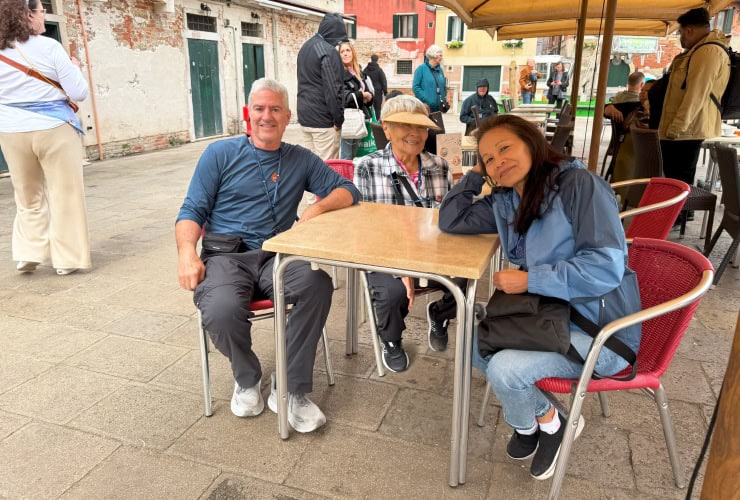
(138, 145)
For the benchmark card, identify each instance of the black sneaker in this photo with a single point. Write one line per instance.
(394, 357)
(437, 334)
(548, 448)
(522, 446)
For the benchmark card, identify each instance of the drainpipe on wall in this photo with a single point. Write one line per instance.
(227, 24)
(274, 45)
(90, 79)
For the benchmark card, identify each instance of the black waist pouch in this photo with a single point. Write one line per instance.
(214, 243)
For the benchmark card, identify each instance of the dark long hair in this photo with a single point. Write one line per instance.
(14, 25)
(543, 173)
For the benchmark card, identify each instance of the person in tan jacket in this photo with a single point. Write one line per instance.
(689, 115)
(528, 77)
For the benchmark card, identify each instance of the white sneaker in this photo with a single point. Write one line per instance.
(247, 402)
(303, 414)
(26, 267)
(64, 272)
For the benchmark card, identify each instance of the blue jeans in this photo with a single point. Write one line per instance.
(526, 97)
(512, 375)
(348, 148)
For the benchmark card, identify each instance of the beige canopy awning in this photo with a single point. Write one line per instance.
(507, 19)
(534, 18)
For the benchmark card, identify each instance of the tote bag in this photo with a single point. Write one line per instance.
(354, 123)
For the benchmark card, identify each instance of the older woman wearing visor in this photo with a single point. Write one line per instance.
(405, 174)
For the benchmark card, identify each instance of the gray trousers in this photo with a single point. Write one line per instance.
(223, 297)
(392, 306)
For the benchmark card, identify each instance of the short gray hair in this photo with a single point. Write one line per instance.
(403, 103)
(271, 85)
(433, 51)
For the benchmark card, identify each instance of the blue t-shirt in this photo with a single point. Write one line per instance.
(245, 191)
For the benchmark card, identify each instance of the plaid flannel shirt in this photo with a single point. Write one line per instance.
(372, 178)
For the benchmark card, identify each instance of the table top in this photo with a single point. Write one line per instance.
(399, 237)
(531, 117)
(733, 139)
(534, 108)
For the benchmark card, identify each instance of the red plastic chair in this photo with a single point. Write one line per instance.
(346, 169)
(672, 278)
(658, 209)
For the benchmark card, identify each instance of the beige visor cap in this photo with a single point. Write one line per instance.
(411, 119)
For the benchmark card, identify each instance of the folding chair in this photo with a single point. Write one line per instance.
(672, 278)
(262, 309)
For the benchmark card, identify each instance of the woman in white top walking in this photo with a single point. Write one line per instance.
(39, 136)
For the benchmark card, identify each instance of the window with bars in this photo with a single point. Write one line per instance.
(404, 67)
(252, 29)
(405, 25)
(201, 23)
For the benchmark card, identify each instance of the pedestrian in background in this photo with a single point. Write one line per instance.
(40, 137)
(320, 81)
(356, 94)
(557, 85)
(430, 84)
(528, 77)
(487, 106)
(689, 115)
(380, 84)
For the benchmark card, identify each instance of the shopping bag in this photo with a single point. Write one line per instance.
(367, 144)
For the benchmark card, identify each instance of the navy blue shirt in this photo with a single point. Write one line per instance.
(245, 191)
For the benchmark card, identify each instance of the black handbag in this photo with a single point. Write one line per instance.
(531, 322)
(525, 321)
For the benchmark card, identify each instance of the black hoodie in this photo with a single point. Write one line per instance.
(320, 76)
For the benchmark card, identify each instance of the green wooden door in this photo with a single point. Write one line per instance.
(204, 84)
(254, 65)
(471, 75)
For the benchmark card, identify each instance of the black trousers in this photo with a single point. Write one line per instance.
(392, 306)
(679, 159)
(232, 281)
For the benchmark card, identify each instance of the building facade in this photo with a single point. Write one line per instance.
(166, 72)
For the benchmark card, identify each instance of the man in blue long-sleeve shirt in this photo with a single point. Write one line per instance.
(244, 191)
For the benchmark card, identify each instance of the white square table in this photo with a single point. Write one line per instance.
(398, 240)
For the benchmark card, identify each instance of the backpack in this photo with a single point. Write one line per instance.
(729, 105)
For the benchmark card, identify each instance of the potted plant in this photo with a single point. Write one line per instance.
(455, 44)
(514, 44)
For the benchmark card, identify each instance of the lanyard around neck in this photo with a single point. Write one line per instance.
(272, 203)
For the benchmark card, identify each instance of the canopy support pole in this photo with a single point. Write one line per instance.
(606, 50)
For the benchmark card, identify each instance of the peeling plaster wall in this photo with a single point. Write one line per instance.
(139, 72)
(140, 65)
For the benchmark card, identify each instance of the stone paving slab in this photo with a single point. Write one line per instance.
(101, 392)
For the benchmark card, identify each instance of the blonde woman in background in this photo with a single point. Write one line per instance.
(356, 94)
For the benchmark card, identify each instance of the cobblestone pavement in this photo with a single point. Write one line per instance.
(100, 392)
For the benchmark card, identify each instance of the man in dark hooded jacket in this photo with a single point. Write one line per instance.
(487, 106)
(380, 84)
(320, 72)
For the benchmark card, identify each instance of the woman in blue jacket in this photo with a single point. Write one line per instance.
(560, 224)
(430, 85)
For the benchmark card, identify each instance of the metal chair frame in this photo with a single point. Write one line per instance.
(265, 308)
(580, 387)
